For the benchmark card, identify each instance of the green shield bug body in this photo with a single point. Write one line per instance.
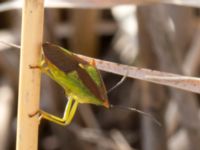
(80, 80)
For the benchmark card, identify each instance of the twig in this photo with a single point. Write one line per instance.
(187, 83)
(10, 44)
(6, 6)
(29, 81)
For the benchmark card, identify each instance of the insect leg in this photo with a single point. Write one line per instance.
(72, 112)
(40, 66)
(69, 112)
(67, 117)
(52, 118)
(55, 119)
(34, 67)
(44, 69)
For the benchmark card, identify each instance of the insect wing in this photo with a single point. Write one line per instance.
(68, 62)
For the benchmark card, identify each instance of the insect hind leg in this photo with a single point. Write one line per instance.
(68, 115)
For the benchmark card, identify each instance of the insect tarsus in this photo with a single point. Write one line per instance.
(34, 67)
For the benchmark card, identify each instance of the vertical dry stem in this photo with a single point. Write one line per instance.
(29, 84)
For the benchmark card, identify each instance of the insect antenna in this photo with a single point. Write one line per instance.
(138, 111)
(118, 83)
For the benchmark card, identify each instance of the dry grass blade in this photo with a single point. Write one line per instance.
(187, 83)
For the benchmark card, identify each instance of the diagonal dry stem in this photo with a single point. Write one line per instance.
(187, 83)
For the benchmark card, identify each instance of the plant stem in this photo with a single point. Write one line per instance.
(29, 80)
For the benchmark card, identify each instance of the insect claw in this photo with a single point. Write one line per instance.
(39, 113)
(35, 113)
(34, 67)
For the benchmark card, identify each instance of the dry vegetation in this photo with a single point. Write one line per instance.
(154, 36)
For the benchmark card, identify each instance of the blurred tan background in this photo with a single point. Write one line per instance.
(156, 36)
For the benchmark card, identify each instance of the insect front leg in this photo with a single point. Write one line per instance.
(68, 115)
(41, 66)
(44, 68)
